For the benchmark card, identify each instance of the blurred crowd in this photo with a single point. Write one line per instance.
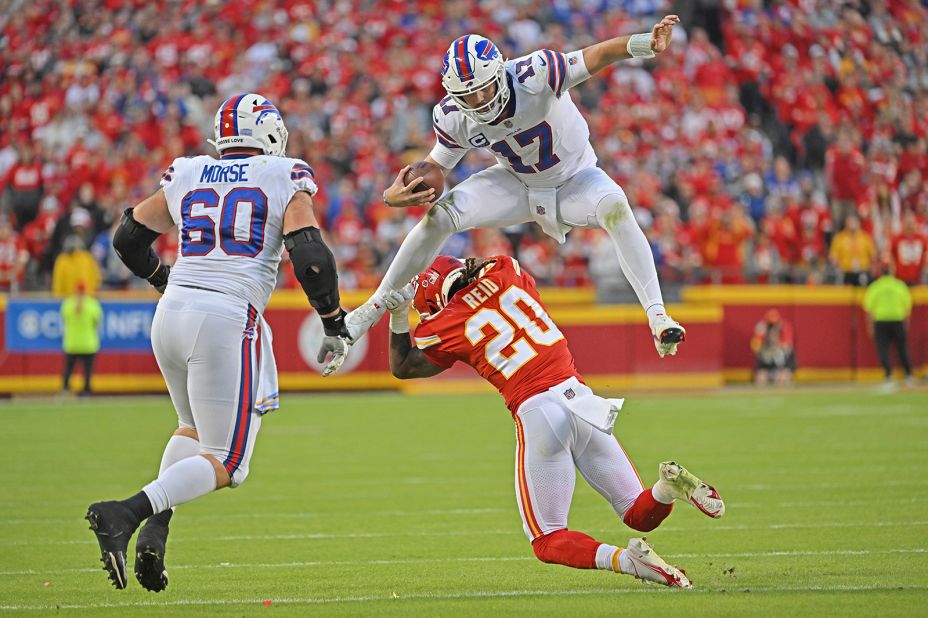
(777, 141)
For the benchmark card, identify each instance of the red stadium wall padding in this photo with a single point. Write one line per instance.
(829, 325)
(611, 344)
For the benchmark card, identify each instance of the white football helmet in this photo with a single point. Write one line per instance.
(471, 64)
(250, 121)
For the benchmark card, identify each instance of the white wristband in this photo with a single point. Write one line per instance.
(399, 322)
(639, 46)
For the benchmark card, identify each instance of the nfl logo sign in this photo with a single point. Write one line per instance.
(569, 393)
(540, 210)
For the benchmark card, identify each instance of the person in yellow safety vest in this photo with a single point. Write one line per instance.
(888, 303)
(81, 316)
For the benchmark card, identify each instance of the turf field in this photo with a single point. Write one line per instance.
(384, 504)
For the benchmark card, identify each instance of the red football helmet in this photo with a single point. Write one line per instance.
(433, 283)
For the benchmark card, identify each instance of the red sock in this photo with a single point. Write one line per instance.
(567, 547)
(646, 513)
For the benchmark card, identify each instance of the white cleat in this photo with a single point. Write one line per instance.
(684, 485)
(646, 565)
(364, 317)
(668, 334)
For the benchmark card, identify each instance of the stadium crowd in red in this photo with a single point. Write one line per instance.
(744, 148)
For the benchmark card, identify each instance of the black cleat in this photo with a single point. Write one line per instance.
(149, 552)
(113, 523)
(673, 335)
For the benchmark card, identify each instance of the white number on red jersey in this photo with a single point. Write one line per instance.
(522, 350)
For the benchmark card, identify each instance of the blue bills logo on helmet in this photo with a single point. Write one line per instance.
(486, 50)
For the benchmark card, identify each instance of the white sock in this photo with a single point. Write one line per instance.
(654, 310)
(604, 555)
(184, 481)
(177, 448)
(631, 245)
(661, 492)
(418, 250)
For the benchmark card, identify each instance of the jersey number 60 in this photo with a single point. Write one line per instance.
(198, 232)
(522, 350)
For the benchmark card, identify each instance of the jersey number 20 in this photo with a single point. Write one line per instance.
(522, 350)
(198, 232)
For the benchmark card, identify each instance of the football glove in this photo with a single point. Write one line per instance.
(335, 342)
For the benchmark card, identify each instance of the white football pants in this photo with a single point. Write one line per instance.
(495, 198)
(208, 346)
(550, 443)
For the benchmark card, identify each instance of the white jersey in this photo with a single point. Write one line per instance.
(230, 215)
(541, 135)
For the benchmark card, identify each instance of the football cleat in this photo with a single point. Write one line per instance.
(684, 485)
(646, 565)
(668, 334)
(364, 317)
(113, 524)
(149, 552)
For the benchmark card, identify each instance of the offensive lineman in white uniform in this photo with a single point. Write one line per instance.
(235, 215)
(522, 111)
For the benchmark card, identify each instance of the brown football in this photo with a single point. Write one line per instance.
(430, 176)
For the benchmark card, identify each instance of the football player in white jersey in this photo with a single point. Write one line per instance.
(522, 112)
(235, 215)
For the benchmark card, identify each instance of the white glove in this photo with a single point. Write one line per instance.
(397, 300)
(668, 334)
(338, 346)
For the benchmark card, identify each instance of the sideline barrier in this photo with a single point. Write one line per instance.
(611, 343)
(829, 325)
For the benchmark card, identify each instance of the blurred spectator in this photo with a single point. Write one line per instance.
(852, 253)
(844, 174)
(772, 344)
(75, 266)
(81, 317)
(909, 251)
(829, 96)
(725, 246)
(115, 274)
(25, 187)
(889, 304)
(13, 257)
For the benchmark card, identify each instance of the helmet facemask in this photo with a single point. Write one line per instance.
(489, 111)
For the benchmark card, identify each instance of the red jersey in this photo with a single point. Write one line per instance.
(498, 326)
(909, 254)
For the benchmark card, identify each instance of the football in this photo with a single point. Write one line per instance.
(430, 175)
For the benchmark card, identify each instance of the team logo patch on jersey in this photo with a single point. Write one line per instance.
(569, 393)
(540, 210)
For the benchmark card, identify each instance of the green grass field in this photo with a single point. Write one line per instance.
(384, 504)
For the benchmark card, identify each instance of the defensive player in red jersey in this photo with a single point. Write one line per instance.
(488, 313)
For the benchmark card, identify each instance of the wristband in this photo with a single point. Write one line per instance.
(334, 326)
(639, 46)
(399, 322)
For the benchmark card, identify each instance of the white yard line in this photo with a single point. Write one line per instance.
(363, 563)
(309, 536)
(478, 594)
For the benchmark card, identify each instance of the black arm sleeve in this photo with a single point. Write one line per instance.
(314, 266)
(132, 243)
